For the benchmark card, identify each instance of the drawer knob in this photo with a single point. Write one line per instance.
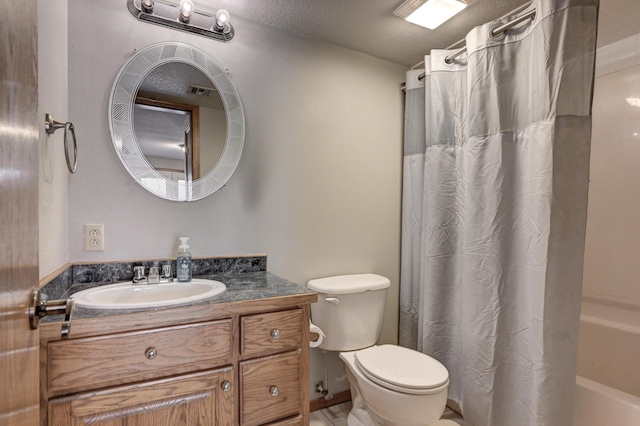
(151, 353)
(275, 333)
(273, 390)
(226, 386)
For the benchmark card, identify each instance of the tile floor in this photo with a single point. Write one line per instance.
(337, 416)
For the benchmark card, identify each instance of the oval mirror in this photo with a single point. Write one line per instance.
(176, 121)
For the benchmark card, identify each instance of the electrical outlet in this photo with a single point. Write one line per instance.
(93, 237)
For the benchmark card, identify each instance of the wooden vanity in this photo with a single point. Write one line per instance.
(237, 360)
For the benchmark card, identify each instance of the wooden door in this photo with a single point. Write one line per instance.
(19, 397)
(197, 399)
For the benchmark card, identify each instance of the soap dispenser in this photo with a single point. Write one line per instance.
(184, 263)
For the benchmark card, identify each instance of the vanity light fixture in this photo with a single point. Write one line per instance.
(183, 16)
(429, 13)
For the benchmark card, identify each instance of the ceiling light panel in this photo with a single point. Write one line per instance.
(429, 14)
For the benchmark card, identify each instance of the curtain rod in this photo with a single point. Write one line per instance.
(496, 32)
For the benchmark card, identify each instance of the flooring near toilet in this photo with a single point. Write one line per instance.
(337, 416)
(332, 416)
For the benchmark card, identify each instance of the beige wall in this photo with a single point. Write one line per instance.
(213, 125)
(52, 98)
(612, 254)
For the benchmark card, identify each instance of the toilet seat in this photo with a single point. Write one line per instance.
(401, 369)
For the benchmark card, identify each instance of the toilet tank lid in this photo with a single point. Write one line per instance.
(348, 284)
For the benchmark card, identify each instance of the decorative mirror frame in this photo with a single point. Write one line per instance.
(124, 140)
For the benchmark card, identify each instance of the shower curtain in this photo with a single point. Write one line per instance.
(496, 169)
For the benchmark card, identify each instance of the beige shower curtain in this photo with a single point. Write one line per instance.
(494, 213)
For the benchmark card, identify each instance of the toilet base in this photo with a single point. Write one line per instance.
(360, 414)
(398, 409)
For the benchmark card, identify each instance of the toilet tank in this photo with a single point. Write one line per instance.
(349, 310)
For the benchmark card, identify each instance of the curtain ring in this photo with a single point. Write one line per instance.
(499, 32)
(68, 128)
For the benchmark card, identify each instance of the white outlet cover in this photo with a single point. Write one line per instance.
(94, 237)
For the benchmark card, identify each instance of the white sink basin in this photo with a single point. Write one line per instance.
(128, 295)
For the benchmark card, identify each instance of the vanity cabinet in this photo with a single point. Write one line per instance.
(242, 364)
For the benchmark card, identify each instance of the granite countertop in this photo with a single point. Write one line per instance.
(240, 287)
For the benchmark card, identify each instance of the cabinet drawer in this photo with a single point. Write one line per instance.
(94, 362)
(294, 421)
(270, 389)
(271, 333)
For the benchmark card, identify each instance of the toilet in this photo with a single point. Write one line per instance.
(390, 385)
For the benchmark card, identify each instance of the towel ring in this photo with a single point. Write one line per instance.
(51, 125)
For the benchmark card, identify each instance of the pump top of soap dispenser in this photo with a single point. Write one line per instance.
(184, 245)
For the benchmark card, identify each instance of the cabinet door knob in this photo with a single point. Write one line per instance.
(226, 386)
(273, 390)
(151, 353)
(275, 333)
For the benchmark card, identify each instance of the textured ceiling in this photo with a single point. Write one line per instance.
(369, 26)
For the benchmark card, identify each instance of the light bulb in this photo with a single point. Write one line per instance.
(147, 6)
(222, 21)
(222, 17)
(186, 10)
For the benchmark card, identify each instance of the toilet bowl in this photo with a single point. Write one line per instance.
(390, 385)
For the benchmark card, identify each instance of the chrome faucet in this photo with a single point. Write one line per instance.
(154, 277)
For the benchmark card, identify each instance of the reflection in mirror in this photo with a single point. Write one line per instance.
(176, 121)
(164, 135)
(179, 121)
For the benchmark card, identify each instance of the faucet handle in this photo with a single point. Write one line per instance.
(166, 270)
(138, 273)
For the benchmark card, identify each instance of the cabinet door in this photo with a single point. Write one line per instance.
(189, 400)
(270, 389)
